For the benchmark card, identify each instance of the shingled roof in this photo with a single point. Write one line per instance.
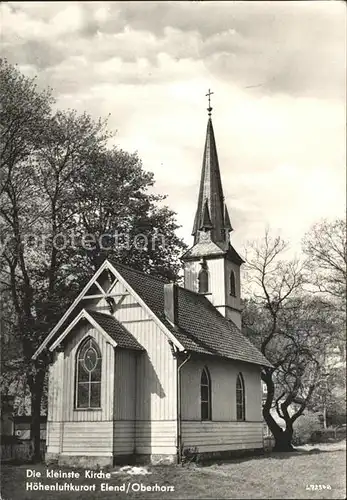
(116, 331)
(200, 328)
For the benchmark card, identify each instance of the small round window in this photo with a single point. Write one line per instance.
(90, 359)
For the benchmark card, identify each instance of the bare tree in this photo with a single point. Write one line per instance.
(282, 323)
(326, 250)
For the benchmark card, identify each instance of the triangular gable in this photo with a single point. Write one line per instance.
(82, 315)
(104, 293)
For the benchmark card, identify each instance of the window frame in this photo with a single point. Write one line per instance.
(204, 271)
(240, 398)
(232, 283)
(206, 402)
(85, 345)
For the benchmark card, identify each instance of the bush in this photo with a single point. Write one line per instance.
(189, 455)
(328, 435)
(9, 439)
(304, 427)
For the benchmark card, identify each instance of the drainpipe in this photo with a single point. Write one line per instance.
(171, 315)
(179, 422)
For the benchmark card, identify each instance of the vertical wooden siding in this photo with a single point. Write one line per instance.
(124, 402)
(216, 279)
(233, 312)
(70, 414)
(54, 432)
(138, 393)
(125, 385)
(151, 378)
(155, 368)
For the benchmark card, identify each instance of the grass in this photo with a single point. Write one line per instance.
(275, 476)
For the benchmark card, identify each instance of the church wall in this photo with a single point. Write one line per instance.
(152, 412)
(88, 438)
(234, 312)
(70, 414)
(216, 285)
(191, 271)
(80, 432)
(124, 385)
(54, 431)
(223, 432)
(124, 402)
(219, 285)
(221, 436)
(216, 288)
(231, 266)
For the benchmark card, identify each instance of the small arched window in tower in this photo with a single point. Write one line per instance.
(88, 375)
(203, 278)
(232, 284)
(205, 395)
(240, 398)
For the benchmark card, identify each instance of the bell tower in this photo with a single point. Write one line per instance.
(212, 265)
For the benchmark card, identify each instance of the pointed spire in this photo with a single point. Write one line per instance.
(211, 198)
(206, 219)
(227, 223)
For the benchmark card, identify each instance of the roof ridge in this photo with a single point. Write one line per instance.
(190, 291)
(157, 278)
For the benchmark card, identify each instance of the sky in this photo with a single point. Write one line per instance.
(278, 73)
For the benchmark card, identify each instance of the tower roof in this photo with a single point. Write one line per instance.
(211, 198)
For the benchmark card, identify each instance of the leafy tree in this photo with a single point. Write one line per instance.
(59, 181)
(123, 220)
(325, 248)
(329, 398)
(23, 111)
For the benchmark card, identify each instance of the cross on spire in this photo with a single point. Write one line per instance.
(209, 109)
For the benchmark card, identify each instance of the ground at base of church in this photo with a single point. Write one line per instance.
(311, 472)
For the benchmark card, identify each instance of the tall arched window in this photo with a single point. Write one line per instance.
(232, 284)
(203, 278)
(240, 398)
(205, 395)
(88, 375)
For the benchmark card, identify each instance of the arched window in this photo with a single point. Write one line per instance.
(232, 284)
(205, 395)
(88, 375)
(240, 398)
(203, 278)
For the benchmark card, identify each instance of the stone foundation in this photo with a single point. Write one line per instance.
(94, 462)
(210, 456)
(124, 460)
(51, 458)
(87, 462)
(156, 459)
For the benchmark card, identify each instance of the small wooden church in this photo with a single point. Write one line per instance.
(145, 369)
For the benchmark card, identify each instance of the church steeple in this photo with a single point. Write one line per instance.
(211, 197)
(212, 251)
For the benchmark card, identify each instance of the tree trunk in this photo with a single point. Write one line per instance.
(283, 441)
(324, 416)
(36, 397)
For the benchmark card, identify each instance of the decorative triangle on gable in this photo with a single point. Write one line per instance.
(100, 286)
